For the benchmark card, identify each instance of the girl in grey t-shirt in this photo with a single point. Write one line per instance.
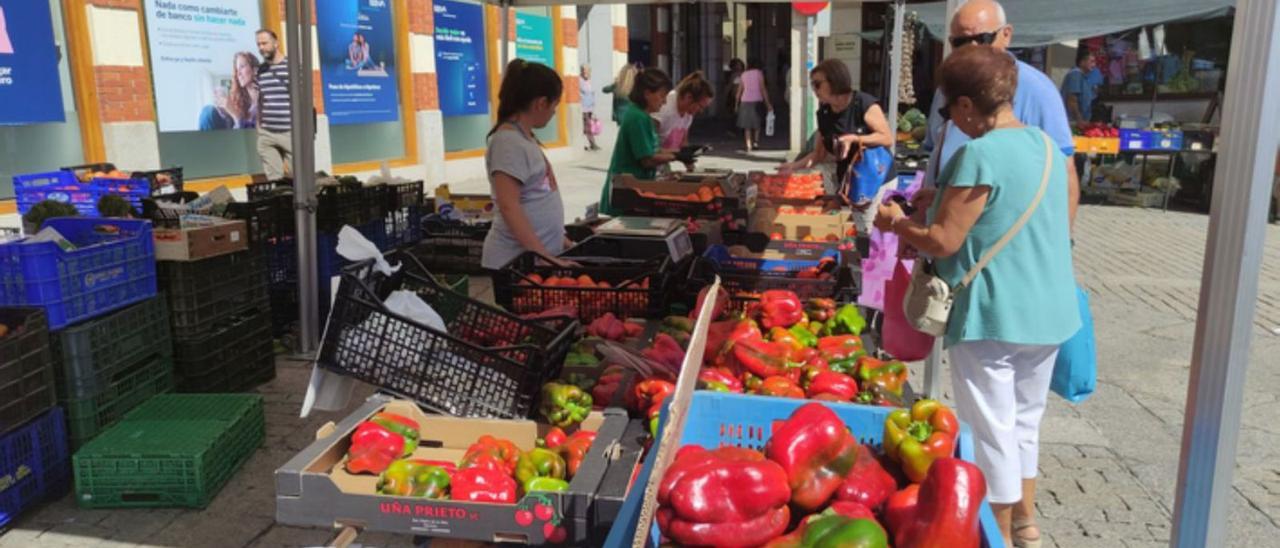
(522, 183)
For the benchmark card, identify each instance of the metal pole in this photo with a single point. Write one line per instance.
(505, 5)
(298, 31)
(895, 64)
(809, 63)
(1229, 283)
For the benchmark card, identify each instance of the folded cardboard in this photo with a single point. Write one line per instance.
(791, 224)
(191, 243)
(314, 489)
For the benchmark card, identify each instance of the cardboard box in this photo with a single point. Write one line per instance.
(313, 489)
(200, 242)
(830, 226)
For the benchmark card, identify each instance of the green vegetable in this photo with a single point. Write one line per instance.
(112, 205)
(47, 209)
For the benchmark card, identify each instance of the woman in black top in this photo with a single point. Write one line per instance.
(846, 118)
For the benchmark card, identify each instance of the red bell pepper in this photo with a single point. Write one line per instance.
(498, 450)
(890, 376)
(718, 380)
(901, 506)
(781, 387)
(783, 335)
(817, 451)
(574, 450)
(850, 509)
(762, 358)
(482, 485)
(917, 438)
(380, 440)
(780, 308)
(650, 392)
(839, 347)
(665, 350)
(553, 438)
(607, 385)
(867, 482)
(947, 511)
(730, 496)
(836, 384)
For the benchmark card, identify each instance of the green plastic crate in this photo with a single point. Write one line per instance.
(87, 417)
(176, 450)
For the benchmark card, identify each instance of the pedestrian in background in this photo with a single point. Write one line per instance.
(752, 92)
(590, 126)
(691, 96)
(275, 113)
(1002, 198)
(621, 88)
(1078, 91)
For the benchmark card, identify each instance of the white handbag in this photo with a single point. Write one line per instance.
(927, 304)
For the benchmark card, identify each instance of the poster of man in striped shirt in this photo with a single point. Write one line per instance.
(275, 136)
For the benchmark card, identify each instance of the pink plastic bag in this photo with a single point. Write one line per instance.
(898, 337)
(877, 266)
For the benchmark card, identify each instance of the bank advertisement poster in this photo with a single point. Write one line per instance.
(534, 41)
(204, 63)
(460, 58)
(357, 61)
(30, 92)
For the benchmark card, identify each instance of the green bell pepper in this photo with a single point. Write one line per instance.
(834, 531)
(803, 336)
(564, 405)
(539, 463)
(555, 485)
(414, 478)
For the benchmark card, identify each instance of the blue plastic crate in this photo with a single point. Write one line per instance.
(113, 266)
(720, 255)
(62, 186)
(717, 419)
(35, 464)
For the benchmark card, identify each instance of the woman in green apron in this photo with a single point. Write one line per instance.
(636, 151)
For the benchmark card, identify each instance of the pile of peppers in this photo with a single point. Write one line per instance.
(814, 485)
(492, 469)
(791, 348)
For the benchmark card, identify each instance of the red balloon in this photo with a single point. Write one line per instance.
(808, 8)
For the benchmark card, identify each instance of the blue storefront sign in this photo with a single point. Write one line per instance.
(30, 92)
(358, 61)
(460, 58)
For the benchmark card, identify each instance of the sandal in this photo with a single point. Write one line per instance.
(1025, 542)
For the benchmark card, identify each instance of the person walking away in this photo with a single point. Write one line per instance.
(588, 96)
(1006, 326)
(691, 96)
(847, 120)
(751, 93)
(1078, 91)
(1036, 101)
(526, 194)
(275, 112)
(621, 88)
(636, 151)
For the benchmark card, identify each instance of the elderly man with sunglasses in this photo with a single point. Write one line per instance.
(1036, 102)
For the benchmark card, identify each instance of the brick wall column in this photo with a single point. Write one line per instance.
(122, 84)
(426, 95)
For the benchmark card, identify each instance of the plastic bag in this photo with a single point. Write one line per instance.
(1075, 373)
(899, 338)
(769, 119)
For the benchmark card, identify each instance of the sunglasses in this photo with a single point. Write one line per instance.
(983, 38)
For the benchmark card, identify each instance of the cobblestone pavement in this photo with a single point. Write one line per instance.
(1108, 466)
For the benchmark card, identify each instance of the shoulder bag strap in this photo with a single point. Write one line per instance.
(1022, 221)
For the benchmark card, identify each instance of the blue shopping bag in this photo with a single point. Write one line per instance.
(1075, 374)
(870, 168)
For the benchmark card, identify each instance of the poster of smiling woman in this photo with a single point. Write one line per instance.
(30, 92)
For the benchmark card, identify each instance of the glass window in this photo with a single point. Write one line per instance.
(535, 41)
(44, 147)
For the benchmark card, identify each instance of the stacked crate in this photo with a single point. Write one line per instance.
(220, 317)
(33, 439)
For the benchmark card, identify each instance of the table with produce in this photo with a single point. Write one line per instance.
(537, 418)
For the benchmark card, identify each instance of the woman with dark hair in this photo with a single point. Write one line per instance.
(1000, 221)
(636, 152)
(530, 213)
(847, 119)
(242, 101)
(691, 95)
(752, 91)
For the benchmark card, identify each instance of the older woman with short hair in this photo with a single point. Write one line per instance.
(1006, 326)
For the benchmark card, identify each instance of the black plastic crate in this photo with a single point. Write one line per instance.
(521, 285)
(487, 363)
(92, 356)
(163, 181)
(26, 367)
(404, 212)
(451, 247)
(745, 284)
(268, 219)
(223, 361)
(203, 293)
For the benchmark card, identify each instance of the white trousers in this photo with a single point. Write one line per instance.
(1001, 390)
